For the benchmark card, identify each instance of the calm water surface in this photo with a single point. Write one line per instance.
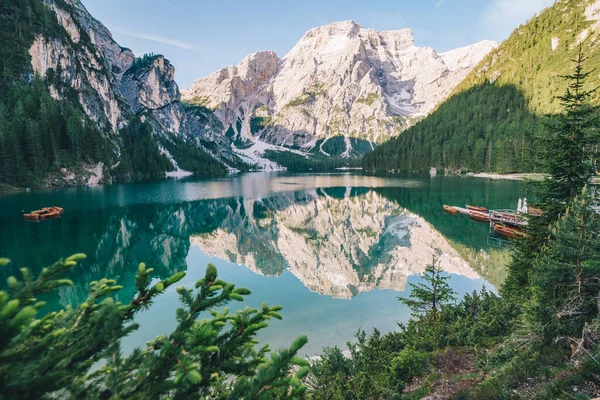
(334, 250)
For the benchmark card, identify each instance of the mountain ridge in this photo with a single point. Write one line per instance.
(339, 82)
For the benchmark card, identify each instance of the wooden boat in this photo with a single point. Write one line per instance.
(450, 210)
(480, 216)
(476, 208)
(44, 213)
(509, 231)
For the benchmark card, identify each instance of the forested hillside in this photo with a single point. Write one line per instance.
(36, 132)
(70, 124)
(490, 122)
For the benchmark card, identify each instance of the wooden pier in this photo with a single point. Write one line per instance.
(505, 217)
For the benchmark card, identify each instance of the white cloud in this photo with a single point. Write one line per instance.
(439, 3)
(155, 38)
(501, 17)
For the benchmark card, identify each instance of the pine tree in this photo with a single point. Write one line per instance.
(75, 131)
(427, 299)
(4, 146)
(34, 148)
(564, 278)
(210, 354)
(567, 144)
(567, 153)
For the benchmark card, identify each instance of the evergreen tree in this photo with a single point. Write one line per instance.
(567, 144)
(34, 148)
(4, 146)
(427, 299)
(213, 357)
(564, 278)
(567, 153)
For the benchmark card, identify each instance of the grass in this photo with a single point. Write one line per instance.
(368, 99)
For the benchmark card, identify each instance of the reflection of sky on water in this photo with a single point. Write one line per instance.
(326, 321)
(250, 185)
(119, 226)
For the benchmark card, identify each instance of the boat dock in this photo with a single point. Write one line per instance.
(505, 217)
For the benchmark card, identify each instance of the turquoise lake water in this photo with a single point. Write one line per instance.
(335, 250)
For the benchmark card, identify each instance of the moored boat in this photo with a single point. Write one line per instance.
(480, 216)
(450, 209)
(536, 212)
(476, 208)
(44, 213)
(509, 231)
(507, 217)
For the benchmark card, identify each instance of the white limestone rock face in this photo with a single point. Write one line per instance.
(238, 90)
(89, 62)
(338, 80)
(111, 89)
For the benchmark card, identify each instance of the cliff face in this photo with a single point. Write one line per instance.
(112, 85)
(87, 63)
(340, 80)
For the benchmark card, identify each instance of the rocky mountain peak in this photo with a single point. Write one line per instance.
(466, 57)
(347, 28)
(341, 81)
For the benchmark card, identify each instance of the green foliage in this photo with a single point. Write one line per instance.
(257, 124)
(380, 366)
(567, 149)
(308, 96)
(490, 121)
(21, 21)
(211, 357)
(312, 163)
(564, 278)
(409, 363)
(428, 299)
(368, 99)
(143, 62)
(39, 134)
(366, 373)
(484, 128)
(570, 144)
(527, 61)
(140, 157)
(191, 158)
(338, 145)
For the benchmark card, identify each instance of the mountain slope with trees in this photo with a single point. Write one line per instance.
(490, 122)
(77, 108)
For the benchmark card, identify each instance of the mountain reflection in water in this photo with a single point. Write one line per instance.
(339, 242)
(337, 237)
(306, 242)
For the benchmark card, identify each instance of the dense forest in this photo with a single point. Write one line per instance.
(314, 163)
(41, 136)
(490, 122)
(38, 134)
(193, 159)
(541, 338)
(485, 128)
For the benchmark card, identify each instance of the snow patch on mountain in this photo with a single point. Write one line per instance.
(339, 80)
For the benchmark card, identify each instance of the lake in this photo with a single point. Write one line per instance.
(335, 250)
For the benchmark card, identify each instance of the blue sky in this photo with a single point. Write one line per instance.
(200, 36)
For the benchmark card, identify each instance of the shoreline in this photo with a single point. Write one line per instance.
(521, 176)
(511, 177)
